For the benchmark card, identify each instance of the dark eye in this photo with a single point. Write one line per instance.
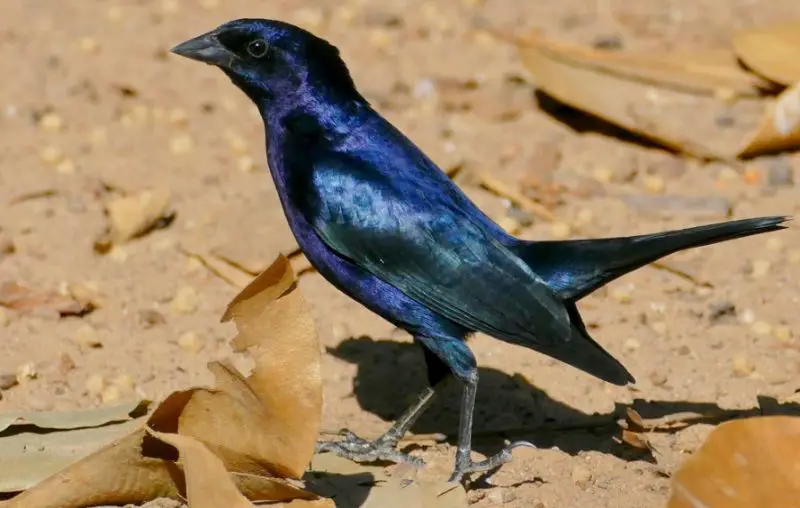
(257, 48)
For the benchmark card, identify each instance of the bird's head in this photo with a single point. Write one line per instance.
(272, 60)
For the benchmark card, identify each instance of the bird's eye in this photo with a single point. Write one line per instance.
(257, 48)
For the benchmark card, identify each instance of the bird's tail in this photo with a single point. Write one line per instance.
(575, 268)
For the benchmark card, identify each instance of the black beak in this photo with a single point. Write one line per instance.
(206, 48)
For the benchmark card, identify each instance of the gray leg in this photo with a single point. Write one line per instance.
(464, 462)
(355, 448)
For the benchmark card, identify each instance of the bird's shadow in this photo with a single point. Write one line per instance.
(390, 374)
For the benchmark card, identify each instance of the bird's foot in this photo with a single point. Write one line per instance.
(465, 464)
(358, 449)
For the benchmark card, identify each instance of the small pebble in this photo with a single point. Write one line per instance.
(88, 45)
(747, 316)
(760, 268)
(501, 495)
(654, 184)
(658, 378)
(26, 371)
(631, 345)
(87, 336)
(560, 231)
(66, 364)
(191, 342)
(150, 318)
(51, 122)
(246, 164)
(51, 155)
(621, 294)
(124, 382)
(783, 333)
(775, 244)
(742, 366)
(95, 385)
(780, 173)
(8, 381)
(585, 216)
(582, 477)
(660, 327)
(110, 395)
(181, 144)
(185, 301)
(509, 224)
(761, 328)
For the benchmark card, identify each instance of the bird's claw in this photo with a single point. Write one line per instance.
(358, 449)
(469, 466)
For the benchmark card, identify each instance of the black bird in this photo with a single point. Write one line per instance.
(382, 223)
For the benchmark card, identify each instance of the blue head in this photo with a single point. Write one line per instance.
(273, 61)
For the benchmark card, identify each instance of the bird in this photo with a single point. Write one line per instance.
(386, 226)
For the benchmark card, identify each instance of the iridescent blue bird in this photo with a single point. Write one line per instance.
(382, 223)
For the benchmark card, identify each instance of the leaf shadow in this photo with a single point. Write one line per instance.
(582, 122)
(390, 374)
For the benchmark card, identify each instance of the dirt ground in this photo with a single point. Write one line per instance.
(135, 117)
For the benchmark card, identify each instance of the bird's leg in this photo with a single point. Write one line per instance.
(464, 462)
(355, 448)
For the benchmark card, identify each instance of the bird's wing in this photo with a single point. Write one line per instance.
(410, 237)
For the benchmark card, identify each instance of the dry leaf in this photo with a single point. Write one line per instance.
(779, 128)
(744, 463)
(266, 423)
(699, 72)
(771, 51)
(133, 216)
(85, 418)
(622, 99)
(115, 474)
(635, 439)
(583, 79)
(23, 299)
(275, 325)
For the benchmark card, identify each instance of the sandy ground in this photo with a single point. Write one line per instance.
(135, 117)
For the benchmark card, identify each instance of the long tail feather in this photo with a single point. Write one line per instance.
(578, 267)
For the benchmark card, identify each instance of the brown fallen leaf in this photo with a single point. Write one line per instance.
(697, 72)
(771, 50)
(132, 216)
(208, 484)
(583, 79)
(779, 128)
(744, 463)
(34, 446)
(636, 439)
(271, 316)
(17, 297)
(262, 428)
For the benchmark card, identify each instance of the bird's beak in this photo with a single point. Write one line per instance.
(206, 48)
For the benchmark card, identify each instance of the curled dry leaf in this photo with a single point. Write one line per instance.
(744, 463)
(208, 484)
(275, 325)
(771, 50)
(133, 216)
(779, 129)
(253, 431)
(17, 297)
(625, 91)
